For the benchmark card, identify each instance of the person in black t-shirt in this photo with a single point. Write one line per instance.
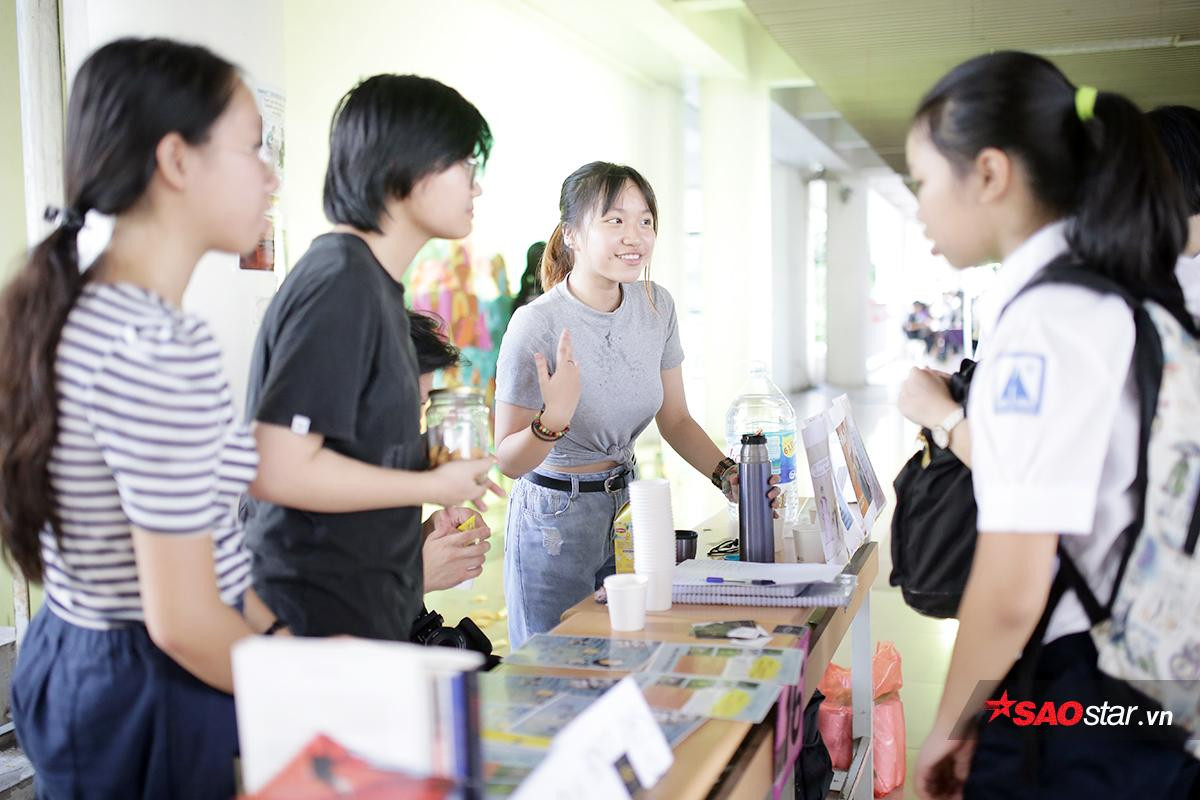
(334, 520)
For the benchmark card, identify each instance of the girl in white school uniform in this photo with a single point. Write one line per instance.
(1015, 164)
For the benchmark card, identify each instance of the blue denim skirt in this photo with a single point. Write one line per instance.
(558, 549)
(106, 714)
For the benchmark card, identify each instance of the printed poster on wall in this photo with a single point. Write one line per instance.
(270, 105)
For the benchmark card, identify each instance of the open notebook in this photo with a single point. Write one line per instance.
(714, 582)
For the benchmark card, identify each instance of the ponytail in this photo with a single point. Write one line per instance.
(1088, 156)
(33, 308)
(557, 260)
(127, 96)
(1131, 221)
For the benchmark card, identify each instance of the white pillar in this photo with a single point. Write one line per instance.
(39, 68)
(789, 236)
(848, 284)
(735, 160)
(39, 54)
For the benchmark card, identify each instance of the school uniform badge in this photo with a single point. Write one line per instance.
(1022, 381)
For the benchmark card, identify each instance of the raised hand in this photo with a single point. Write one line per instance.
(560, 392)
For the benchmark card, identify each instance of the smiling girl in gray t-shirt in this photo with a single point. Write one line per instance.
(600, 353)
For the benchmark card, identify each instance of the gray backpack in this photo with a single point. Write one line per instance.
(1148, 633)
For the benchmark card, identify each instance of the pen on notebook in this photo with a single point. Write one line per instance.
(755, 582)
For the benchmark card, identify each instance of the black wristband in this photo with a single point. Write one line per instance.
(276, 626)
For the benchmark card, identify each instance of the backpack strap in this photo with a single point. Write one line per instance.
(1148, 367)
(1024, 670)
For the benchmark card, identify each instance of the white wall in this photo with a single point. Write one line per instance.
(789, 236)
(553, 103)
(249, 34)
(848, 281)
(735, 178)
(12, 182)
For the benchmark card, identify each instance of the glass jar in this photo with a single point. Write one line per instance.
(457, 424)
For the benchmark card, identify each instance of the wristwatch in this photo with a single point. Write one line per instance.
(941, 431)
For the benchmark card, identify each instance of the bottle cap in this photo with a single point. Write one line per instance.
(753, 438)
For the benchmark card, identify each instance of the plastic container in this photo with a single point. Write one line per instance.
(762, 407)
(457, 425)
(626, 601)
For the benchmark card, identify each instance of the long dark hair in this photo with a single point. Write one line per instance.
(1108, 172)
(592, 188)
(1178, 131)
(128, 95)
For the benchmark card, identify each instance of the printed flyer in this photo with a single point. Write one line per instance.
(735, 663)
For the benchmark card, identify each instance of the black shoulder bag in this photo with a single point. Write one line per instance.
(933, 525)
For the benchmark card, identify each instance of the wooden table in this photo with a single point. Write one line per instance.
(725, 759)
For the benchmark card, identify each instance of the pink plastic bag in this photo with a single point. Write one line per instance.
(835, 722)
(835, 718)
(889, 742)
(835, 685)
(885, 669)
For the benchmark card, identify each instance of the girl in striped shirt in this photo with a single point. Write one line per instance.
(121, 462)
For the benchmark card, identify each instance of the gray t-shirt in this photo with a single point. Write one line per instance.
(621, 355)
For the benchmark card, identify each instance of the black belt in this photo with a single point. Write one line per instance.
(612, 484)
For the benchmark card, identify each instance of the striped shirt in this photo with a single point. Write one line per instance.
(146, 438)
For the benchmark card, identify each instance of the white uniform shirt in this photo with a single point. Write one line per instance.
(1053, 415)
(1187, 270)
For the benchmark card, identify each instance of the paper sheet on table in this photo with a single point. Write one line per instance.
(374, 698)
(583, 761)
(717, 698)
(584, 652)
(772, 664)
(694, 572)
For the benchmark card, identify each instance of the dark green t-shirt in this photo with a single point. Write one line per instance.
(334, 356)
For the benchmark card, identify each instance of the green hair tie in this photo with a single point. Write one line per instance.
(1085, 102)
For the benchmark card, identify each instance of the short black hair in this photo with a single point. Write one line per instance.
(1178, 130)
(388, 133)
(434, 350)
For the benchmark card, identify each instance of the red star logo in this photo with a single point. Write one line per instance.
(1001, 707)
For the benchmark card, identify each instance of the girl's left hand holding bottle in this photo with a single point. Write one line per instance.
(729, 487)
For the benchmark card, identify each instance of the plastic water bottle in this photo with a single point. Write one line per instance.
(756, 528)
(761, 406)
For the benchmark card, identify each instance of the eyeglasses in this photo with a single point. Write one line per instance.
(471, 164)
(262, 152)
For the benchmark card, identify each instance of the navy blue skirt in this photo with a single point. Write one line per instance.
(106, 714)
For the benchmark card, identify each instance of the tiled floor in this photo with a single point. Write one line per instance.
(924, 643)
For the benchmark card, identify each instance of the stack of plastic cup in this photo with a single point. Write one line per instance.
(653, 540)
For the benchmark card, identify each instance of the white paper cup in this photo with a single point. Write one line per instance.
(658, 588)
(626, 601)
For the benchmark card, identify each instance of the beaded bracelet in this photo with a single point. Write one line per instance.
(718, 474)
(545, 434)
